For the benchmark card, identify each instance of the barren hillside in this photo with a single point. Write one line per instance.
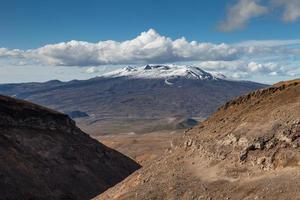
(248, 149)
(43, 155)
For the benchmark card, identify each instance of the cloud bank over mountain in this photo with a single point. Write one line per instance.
(147, 47)
(239, 60)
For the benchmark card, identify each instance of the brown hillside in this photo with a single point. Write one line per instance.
(43, 155)
(248, 149)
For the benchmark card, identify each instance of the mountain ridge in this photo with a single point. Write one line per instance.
(164, 71)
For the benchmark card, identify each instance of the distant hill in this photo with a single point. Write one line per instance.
(43, 155)
(141, 99)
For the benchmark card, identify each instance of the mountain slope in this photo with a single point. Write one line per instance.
(43, 155)
(142, 99)
(248, 149)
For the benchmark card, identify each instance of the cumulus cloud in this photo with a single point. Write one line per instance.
(245, 69)
(239, 60)
(4, 52)
(239, 14)
(265, 68)
(148, 47)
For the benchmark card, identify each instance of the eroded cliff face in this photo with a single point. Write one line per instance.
(248, 149)
(43, 155)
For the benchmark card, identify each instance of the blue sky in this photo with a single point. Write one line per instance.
(27, 26)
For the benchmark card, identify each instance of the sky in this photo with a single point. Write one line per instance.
(254, 40)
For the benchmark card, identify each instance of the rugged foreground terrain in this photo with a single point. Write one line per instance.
(143, 99)
(248, 149)
(43, 155)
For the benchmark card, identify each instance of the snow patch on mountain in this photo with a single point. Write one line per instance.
(165, 71)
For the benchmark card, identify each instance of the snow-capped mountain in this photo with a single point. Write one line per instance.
(139, 98)
(165, 72)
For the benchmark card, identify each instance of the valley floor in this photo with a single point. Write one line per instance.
(141, 147)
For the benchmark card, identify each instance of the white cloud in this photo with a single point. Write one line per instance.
(240, 75)
(148, 47)
(244, 59)
(245, 69)
(221, 65)
(268, 43)
(291, 9)
(92, 70)
(11, 53)
(265, 68)
(239, 14)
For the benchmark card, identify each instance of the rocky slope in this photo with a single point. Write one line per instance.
(248, 149)
(142, 99)
(43, 155)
